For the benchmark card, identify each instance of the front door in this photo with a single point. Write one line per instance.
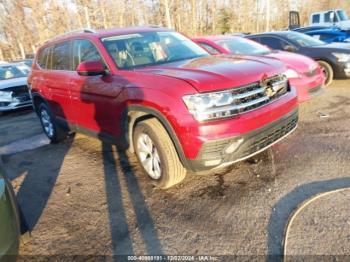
(94, 98)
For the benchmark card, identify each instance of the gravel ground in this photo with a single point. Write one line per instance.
(81, 197)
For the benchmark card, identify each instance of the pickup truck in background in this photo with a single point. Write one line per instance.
(320, 27)
(329, 18)
(336, 17)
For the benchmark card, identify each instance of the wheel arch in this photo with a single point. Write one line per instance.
(328, 61)
(136, 113)
(332, 68)
(37, 100)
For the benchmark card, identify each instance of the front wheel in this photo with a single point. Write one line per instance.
(327, 71)
(54, 132)
(157, 155)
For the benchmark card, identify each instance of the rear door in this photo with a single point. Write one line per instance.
(58, 83)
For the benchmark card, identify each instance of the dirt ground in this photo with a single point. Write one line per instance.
(81, 197)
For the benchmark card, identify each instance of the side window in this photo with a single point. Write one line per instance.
(84, 50)
(316, 19)
(326, 37)
(336, 18)
(256, 39)
(272, 42)
(327, 17)
(42, 59)
(61, 57)
(209, 48)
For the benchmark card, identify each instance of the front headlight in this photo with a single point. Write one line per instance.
(342, 57)
(291, 73)
(199, 105)
(5, 95)
(223, 104)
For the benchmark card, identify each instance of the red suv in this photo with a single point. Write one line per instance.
(155, 92)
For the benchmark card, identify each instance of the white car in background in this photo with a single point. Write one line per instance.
(14, 91)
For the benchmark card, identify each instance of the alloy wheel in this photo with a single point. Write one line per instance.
(47, 123)
(149, 157)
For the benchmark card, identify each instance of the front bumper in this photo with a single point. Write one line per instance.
(218, 153)
(14, 104)
(17, 97)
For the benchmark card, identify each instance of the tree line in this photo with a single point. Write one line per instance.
(26, 24)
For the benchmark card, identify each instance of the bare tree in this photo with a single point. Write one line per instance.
(26, 24)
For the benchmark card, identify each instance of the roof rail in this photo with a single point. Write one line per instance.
(154, 26)
(82, 30)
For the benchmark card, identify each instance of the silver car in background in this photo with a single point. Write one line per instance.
(14, 91)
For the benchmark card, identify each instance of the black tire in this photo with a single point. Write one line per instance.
(328, 71)
(58, 134)
(172, 171)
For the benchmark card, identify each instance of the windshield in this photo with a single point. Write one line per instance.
(304, 40)
(150, 48)
(243, 46)
(11, 71)
(342, 15)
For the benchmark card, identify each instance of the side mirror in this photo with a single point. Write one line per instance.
(289, 48)
(91, 68)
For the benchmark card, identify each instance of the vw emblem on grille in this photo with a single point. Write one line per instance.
(269, 91)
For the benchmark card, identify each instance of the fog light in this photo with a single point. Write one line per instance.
(234, 146)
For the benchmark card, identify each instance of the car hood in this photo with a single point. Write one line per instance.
(21, 81)
(299, 63)
(220, 72)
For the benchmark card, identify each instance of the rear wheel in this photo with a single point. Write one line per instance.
(327, 71)
(54, 132)
(157, 155)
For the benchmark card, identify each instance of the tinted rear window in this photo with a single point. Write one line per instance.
(61, 57)
(273, 42)
(43, 58)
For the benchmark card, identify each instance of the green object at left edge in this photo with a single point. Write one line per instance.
(9, 221)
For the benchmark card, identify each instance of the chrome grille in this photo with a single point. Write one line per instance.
(252, 96)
